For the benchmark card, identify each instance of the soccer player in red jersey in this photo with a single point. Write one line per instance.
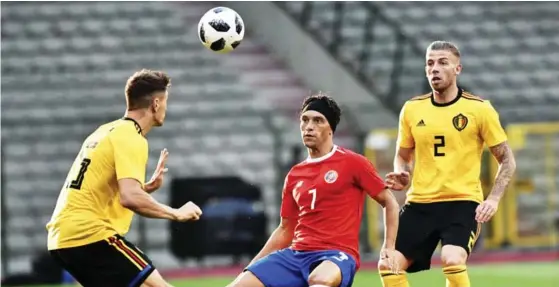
(317, 241)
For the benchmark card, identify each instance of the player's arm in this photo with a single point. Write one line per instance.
(283, 234)
(403, 160)
(130, 157)
(133, 197)
(281, 238)
(495, 137)
(391, 216)
(368, 179)
(157, 178)
(507, 166)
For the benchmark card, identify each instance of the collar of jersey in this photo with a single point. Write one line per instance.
(449, 103)
(136, 124)
(324, 157)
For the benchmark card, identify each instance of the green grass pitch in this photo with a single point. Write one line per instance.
(490, 275)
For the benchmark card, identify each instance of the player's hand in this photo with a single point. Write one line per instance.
(398, 181)
(157, 178)
(486, 210)
(189, 211)
(388, 255)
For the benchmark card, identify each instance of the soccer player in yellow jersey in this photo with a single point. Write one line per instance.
(106, 186)
(440, 142)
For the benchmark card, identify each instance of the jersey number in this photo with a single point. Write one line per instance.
(439, 143)
(311, 192)
(77, 183)
(341, 257)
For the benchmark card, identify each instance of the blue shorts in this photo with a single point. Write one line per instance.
(290, 268)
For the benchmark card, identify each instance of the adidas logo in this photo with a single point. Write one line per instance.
(421, 123)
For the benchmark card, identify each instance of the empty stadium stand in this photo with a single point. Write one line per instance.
(64, 66)
(513, 65)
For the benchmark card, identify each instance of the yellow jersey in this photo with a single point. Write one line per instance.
(88, 208)
(448, 140)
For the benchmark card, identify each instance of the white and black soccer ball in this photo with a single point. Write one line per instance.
(221, 29)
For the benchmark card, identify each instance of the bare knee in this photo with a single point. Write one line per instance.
(399, 259)
(452, 255)
(322, 280)
(383, 265)
(326, 273)
(246, 279)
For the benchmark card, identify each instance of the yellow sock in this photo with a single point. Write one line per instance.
(390, 279)
(456, 276)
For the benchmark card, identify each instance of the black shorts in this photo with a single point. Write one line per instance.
(424, 225)
(113, 262)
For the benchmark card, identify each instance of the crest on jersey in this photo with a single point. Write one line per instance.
(331, 176)
(460, 122)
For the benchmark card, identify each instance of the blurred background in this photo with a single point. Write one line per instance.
(232, 121)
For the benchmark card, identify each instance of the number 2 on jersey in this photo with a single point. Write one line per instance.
(77, 183)
(438, 145)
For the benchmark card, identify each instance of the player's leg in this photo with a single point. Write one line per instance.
(388, 277)
(330, 268)
(458, 238)
(248, 279)
(111, 262)
(279, 269)
(138, 270)
(155, 280)
(416, 241)
(326, 274)
(59, 258)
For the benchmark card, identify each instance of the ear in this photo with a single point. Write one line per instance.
(458, 69)
(155, 104)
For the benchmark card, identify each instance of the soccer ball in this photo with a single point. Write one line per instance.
(221, 29)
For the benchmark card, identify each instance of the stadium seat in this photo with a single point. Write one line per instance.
(64, 66)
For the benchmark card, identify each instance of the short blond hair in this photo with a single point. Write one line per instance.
(444, 46)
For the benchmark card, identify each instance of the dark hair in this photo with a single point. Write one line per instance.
(332, 104)
(141, 86)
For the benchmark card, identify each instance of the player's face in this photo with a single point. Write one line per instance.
(159, 106)
(315, 129)
(441, 67)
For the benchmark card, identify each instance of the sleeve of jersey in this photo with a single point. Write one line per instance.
(367, 176)
(289, 207)
(491, 130)
(131, 155)
(405, 139)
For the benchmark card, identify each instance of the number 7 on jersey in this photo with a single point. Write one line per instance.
(312, 192)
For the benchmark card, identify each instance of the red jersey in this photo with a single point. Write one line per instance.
(327, 196)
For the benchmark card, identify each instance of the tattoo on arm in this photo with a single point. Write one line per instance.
(407, 166)
(507, 166)
(404, 160)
